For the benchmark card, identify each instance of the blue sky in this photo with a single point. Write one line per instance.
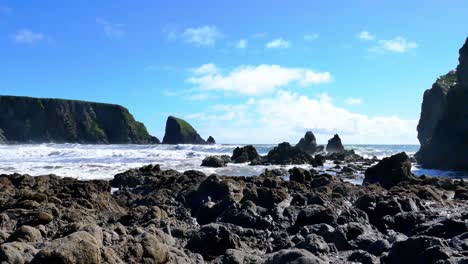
(241, 71)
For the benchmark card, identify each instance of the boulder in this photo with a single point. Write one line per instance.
(16, 252)
(314, 244)
(390, 171)
(295, 256)
(215, 161)
(308, 143)
(213, 240)
(211, 140)
(334, 145)
(78, 248)
(244, 154)
(25, 234)
(420, 249)
(179, 131)
(443, 126)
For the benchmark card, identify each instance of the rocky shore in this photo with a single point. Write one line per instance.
(149, 215)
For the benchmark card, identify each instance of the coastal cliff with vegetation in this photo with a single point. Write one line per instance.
(38, 120)
(443, 126)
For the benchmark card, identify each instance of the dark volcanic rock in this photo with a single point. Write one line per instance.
(443, 126)
(26, 119)
(308, 143)
(213, 240)
(215, 161)
(244, 154)
(211, 140)
(284, 154)
(334, 145)
(390, 171)
(178, 131)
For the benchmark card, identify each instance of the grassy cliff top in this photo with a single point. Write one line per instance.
(448, 80)
(185, 127)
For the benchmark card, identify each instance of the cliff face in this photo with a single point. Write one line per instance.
(179, 131)
(443, 127)
(37, 120)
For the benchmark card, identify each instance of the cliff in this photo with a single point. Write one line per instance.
(443, 127)
(179, 131)
(38, 120)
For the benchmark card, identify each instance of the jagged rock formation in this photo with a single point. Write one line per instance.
(179, 131)
(334, 145)
(211, 140)
(308, 143)
(443, 126)
(37, 120)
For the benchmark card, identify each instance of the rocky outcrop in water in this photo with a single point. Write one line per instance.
(211, 140)
(390, 171)
(244, 154)
(334, 145)
(165, 216)
(37, 120)
(443, 126)
(179, 131)
(308, 143)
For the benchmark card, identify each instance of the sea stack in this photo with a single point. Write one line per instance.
(308, 143)
(443, 126)
(179, 131)
(334, 145)
(211, 140)
(43, 120)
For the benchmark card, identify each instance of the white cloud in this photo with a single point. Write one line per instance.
(353, 101)
(287, 115)
(310, 37)
(278, 43)
(254, 80)
(242, 44)
(110, 29)
(397, 45)
(365, 35)
(202, 36)
(26, 36)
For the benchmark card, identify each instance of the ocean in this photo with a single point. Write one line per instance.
(104, 161)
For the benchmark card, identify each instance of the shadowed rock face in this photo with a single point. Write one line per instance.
(211, 140)
(308, 143)
(334, 145)
(443, 127)
(179, 131)
(390, 171)
(37, 120)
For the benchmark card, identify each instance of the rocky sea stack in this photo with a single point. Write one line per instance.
(211, 140)
(443, 126)
(334, 145)
(179, 131)
(38, 120)
(308, 143)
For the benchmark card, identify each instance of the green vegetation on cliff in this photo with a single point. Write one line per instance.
(179, 131)
(36, 120)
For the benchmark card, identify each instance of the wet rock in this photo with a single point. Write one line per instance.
(299, 175)
(295, 256)
(390, 171)
(420, 249)
(233, 256)
(244, 154)
(215, 161)
(314, 244)
(213, 240)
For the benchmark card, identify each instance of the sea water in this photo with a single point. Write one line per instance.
(104, 161)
